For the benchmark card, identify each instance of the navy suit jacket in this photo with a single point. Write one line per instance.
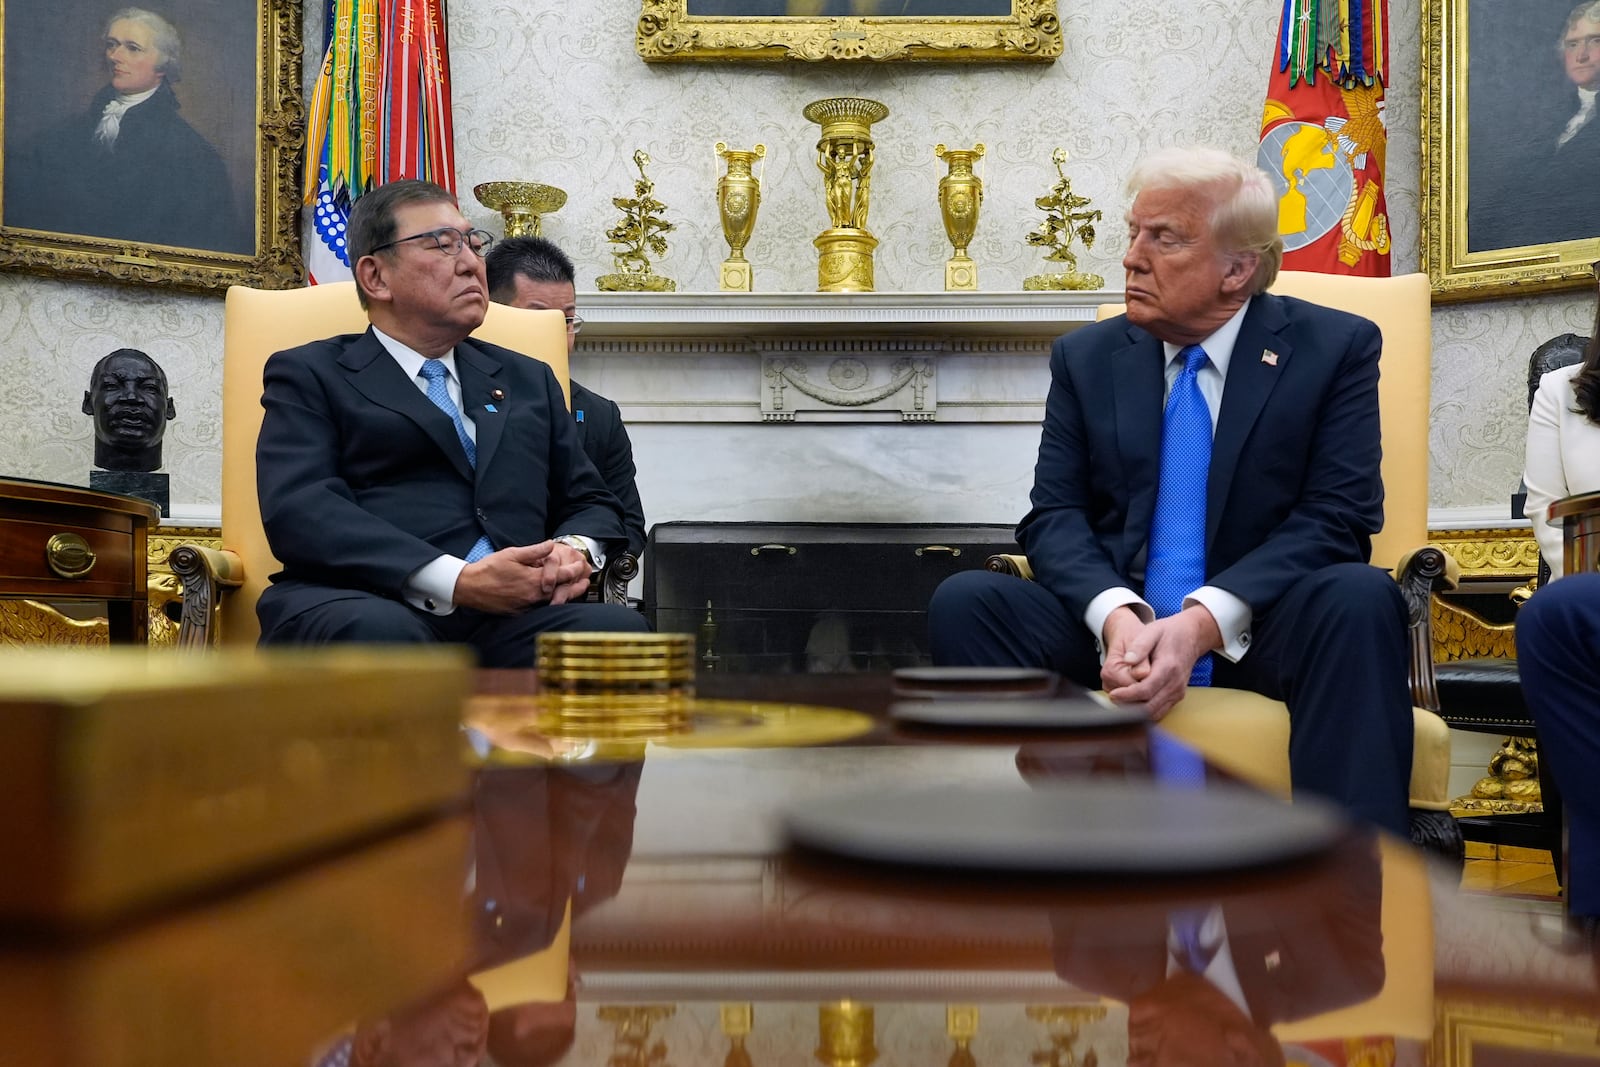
(1294, 482)
(362, 479)
(605, 441)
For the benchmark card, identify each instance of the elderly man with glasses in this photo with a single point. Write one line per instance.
(532, 272)
(417, 485)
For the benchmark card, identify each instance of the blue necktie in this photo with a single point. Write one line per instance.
(1176, 559)
(1191, 951)
(436, 375)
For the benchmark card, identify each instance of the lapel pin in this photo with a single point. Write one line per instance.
(490, 407)
(497, 394)
(1273, 960)
(1269, 357)
(577, 416)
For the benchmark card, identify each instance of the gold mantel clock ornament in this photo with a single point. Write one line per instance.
(641, 233)
(960, 196)
(738, 200)
(845, 157)
(1067, 217)
(522, 204)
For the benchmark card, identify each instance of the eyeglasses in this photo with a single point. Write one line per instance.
(575, 323)
(449, 241)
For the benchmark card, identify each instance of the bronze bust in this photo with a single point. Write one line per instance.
(127, 396)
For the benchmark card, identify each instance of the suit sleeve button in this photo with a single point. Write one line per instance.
(430, 605)
(1244, 639)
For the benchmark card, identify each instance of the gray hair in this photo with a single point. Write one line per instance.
(1244, 218)
(1589, 9)
(167, 40)
(372, 218)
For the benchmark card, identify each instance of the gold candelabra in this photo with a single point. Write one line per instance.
(845, 158)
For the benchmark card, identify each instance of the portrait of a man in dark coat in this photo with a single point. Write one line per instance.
(128, 166)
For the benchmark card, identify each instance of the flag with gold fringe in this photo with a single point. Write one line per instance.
(1323, 138)
(380, 111)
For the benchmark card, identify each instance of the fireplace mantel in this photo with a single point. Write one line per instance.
(826, 357)
(610, 316)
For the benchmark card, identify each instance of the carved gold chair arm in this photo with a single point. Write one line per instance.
(1014, 564)
(205, 573)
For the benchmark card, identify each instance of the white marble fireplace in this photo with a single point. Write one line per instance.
(829, 407)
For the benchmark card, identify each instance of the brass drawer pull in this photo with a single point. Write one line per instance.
(69, 555)
(760, 550)
(938, 550)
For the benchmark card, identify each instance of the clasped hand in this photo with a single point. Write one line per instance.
(515, 578)
(1149, 663)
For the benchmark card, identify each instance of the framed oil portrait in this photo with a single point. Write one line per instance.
(155, 142)
(1510, 156)
(815, 30)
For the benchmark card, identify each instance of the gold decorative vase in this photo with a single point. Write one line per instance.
(960, 196)
(845, 1032)
(845, 157)
(522, 204)
(738, 200)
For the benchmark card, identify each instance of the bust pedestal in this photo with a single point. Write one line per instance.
(146, 485)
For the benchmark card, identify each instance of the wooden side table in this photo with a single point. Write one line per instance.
(1580, 531)
(64, 542)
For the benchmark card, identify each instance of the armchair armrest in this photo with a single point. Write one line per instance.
(205, 573)
(1014, 564)
(610, 584)
(1420, 573)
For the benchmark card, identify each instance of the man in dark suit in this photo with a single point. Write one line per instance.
(417, 485)
(1220, 534)
(531, 272)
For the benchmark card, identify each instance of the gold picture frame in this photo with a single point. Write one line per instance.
(1502, 216)
(201, 187)
(856, 30)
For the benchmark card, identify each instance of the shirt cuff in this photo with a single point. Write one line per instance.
(596, 552)
(1233, 617)
(432, 586)
(1101, 607)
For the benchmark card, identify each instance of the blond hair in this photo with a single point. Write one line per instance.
(1244, 215)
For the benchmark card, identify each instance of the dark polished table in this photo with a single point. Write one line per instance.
(631, 901)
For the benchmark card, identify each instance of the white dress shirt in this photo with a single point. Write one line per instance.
(1233, 616)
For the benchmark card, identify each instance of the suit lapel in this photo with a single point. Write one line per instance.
(1260, 358)
(379, 378)
(1137, 388)
(480, 375)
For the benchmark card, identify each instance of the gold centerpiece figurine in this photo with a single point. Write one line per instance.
(1067, 217)
(738, 200)
(640, 233)
(522, 204)
(960, 196)
(845, 156)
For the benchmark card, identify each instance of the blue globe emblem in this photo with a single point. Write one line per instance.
(1321, 177)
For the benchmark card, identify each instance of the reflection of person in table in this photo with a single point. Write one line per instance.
(129, 167)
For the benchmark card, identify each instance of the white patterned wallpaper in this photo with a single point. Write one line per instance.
(552, 91)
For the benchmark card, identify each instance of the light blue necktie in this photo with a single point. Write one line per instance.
(436, 375)
(1176, 560)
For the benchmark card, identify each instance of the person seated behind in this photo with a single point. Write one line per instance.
(1558, 629)
(1169, 557)
(531, 272)
(417, 485)
(1563, 451)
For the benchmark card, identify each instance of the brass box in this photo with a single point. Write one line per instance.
(131, 778)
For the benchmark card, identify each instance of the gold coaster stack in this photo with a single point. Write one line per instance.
(617, 684)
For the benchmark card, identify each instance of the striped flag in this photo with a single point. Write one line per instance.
(1323, 138)
(380, 111)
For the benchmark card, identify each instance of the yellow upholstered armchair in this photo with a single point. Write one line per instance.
(220, 587)
(1248, 734)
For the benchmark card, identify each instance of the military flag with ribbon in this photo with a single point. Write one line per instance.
(1323, 137)
(380, 111)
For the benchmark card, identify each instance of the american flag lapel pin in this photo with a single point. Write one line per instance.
(1269, 357)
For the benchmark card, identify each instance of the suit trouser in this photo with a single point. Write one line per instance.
(1333, 649)
(499, 640)
(1558, 658)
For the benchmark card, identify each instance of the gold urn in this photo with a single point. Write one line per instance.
(738, 200)
(845, 158)
(960, 196)
(845, 1030)
(522, 204)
